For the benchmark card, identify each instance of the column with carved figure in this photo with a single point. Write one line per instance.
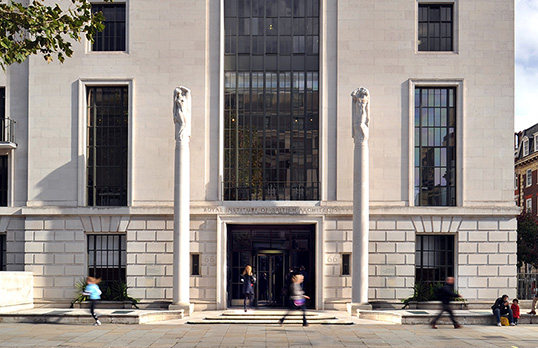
(361, 200)
(181, 279)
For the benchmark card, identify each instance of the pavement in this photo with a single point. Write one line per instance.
(177, 333)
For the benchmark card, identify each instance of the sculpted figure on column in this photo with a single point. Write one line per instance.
(182, 113)
(361, 114)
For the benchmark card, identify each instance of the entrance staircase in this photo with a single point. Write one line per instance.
(270, 317)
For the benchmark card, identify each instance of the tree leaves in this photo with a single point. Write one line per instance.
(527, 239)
(39, 29)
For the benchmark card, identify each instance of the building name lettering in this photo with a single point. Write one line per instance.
(278, 210)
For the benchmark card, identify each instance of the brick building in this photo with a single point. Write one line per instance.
(526, 169)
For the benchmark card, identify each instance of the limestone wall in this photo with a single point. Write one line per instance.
(16, 290)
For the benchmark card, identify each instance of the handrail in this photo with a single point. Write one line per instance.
(8, 130)
(272, 191)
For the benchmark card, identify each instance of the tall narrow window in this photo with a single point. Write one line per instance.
(346, 264)
(435, 27)
(3, 252)
(271, 115)
(529, 177)
(112, 38)
(528, 205)
(435, 146)
(107, 146)
(107, 257)
(2, 112)
(434, 258)
(3, 180)
(525, 146)
(195, 264)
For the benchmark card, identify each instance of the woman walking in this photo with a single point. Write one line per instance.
(297, 297)
(248, 280)
(92, 290)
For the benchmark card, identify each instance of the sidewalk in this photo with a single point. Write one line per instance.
(176, 333)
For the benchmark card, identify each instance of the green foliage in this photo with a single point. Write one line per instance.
(37, 28)
(80, 285)
(118, 291)
(423, 292)
(527, 239)
(115, 291)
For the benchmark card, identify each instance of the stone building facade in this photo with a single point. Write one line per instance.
(441, 175)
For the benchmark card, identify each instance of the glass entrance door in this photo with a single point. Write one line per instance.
(271, 272)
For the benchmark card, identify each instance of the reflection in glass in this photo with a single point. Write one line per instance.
(435, 143)
(271, 111)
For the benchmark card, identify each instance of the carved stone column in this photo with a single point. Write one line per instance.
(361, 199)
(181, 280)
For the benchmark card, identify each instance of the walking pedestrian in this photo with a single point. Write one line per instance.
(297, 298)
(248, 279)
(92, 290)
(446, 294)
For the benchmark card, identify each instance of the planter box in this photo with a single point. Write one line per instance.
(436, 305)
(106, 304)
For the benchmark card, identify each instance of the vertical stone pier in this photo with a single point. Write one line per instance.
(181, 279)
(361, 199)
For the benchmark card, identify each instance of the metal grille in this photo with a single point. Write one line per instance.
(435, 146)
(3, 180)
(112, 38)
(271, 112)
(435, 27)
(107, 257)
(107, 146)
(3, 255)
(434, 258)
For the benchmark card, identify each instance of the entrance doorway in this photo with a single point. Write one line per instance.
(274, 251)
(270, 269)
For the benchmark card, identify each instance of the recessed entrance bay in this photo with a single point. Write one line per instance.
(273, 251)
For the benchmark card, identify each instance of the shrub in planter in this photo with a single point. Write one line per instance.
(111, 291)
(423, 292)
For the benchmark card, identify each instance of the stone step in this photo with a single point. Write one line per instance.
(269, 317)
(80, 316)
(269, 321)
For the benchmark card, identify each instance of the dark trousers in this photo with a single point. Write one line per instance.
(497, 312)
(292, 307)
(92, 309)
(445, 308)
(249, 297)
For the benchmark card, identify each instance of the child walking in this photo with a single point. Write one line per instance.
(515, 310)
(92, 290)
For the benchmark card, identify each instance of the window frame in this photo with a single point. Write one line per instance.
(420, 239)
(83, 134)
(528, 178)
(192, 265)
(455, 25)
(89, 45)
(526, 146)
(459, 84)
(345, 256)
(271, 186)
(122, 249)
(3, 251)
(528, 205)
(535, 138)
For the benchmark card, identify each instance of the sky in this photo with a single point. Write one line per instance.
(526, 93)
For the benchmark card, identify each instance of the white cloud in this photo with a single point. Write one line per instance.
(526, 69)
(527, 32)
(526, 95)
